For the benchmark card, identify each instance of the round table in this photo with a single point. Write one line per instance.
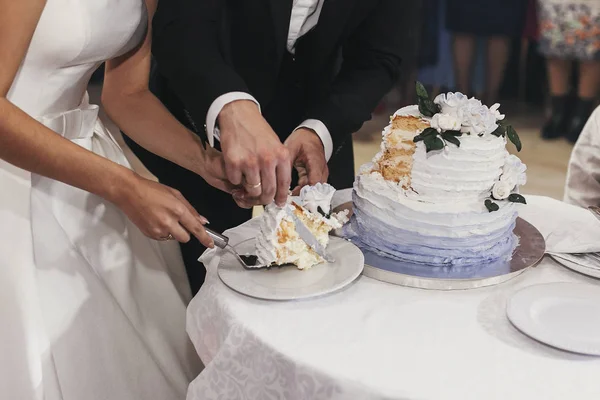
(375, 340)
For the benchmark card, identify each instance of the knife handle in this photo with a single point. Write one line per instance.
(220, 240)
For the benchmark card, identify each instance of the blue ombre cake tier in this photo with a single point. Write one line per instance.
(451, 235)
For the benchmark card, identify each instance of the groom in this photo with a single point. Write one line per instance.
(273, 83)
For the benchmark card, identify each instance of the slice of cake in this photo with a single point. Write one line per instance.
(442, 190)
(278, 243)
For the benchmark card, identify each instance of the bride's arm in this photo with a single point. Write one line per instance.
(137, 112)
(26, 143)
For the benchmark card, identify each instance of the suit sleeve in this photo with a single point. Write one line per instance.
(370, 67)
(186, 47)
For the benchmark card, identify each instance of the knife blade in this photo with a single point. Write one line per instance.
(310, 239)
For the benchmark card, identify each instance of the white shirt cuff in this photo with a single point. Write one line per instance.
(212, 130)
(323, 133)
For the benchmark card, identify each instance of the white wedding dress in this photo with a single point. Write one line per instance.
(90, 308)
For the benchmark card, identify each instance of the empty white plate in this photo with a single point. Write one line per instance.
(290, 283)
(562, 315)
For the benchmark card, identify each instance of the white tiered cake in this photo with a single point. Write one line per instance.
(442, 190)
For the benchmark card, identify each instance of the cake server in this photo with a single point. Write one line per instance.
(310, 239)
(222, 242)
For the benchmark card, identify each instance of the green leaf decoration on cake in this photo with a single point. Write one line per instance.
(448, 137)
(433, 143)
(491, 206)
(421, 91)
(517, 198)
(323, 213)
(427, 132)
(500, 131)
(426, 106)
(513, 137)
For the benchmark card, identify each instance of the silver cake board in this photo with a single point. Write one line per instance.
(528, 253)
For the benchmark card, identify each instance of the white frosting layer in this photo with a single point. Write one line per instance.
(466, 173)
(266, 241)
(388, 202)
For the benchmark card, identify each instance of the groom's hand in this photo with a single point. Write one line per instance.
(308, 155)
(254, 156)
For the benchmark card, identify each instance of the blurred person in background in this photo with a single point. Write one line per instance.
(570, 31)
(413, 46)
(496, 20)
(532, 65)
(583, 177)
(435, 57)
(437, 72)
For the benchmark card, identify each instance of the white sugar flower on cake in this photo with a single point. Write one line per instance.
(467, 115)
(278, 242)
(317, 196)
(317, 200)
(451, 103)
(501, 190)
(513, 172)
(495, 110)
(446, 122)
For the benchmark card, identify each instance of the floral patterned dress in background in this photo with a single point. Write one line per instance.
(570, 29)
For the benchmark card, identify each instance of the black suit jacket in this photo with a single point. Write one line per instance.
(206, 48)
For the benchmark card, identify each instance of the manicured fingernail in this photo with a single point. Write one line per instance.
(204, 221)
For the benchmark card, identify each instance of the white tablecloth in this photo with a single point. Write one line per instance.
(375, 340)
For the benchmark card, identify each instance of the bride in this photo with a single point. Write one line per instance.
(90, 308)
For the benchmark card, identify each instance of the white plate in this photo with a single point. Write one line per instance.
(562, 315)
(290, 283)
(570, 262)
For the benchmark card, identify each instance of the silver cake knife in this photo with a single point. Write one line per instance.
(310, 239)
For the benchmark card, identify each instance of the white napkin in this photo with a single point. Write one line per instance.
(566, 228)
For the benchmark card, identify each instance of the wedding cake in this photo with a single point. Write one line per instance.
(442, 190)
(278, 242)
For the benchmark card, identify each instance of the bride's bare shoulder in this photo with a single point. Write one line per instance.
(18, 21)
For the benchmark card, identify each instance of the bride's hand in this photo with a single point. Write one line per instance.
(160, 211)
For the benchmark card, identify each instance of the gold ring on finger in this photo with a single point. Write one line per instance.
(166, 238)
(250, 186)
